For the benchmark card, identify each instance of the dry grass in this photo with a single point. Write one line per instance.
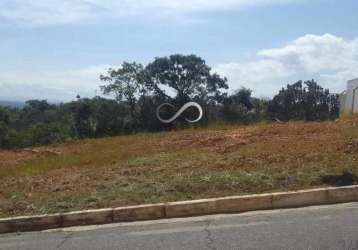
(173, 166)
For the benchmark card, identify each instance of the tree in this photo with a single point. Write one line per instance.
(36, 111)
(4, 128)
(304, 102)
(237, 106)
(288, 103)
(37, 105)
(126, 83)
(187, 77)
(111, 118)
(85, 123)
(4, 115)
(242, 96)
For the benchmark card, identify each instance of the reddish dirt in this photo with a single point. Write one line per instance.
(14, 156)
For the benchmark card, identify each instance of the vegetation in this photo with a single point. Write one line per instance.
(217, 157)
(179, 165)
(310, 103)
(138, 90)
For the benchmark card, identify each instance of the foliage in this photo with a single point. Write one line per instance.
(138, 90)
(187, 76)
(126, 83)
(310, 102)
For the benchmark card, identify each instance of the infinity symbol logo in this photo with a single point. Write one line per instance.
(179, 112)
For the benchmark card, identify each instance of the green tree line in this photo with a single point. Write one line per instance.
(135, 91)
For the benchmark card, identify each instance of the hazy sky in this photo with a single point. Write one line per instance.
(56, 49)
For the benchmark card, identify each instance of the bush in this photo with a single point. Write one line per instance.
(44, 134)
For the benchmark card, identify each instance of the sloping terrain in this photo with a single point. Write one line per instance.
(180, 165)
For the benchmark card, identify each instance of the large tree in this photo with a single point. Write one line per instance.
(181, 78)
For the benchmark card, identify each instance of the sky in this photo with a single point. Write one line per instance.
(56, 49)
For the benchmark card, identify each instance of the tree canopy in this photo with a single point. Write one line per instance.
(304, 101)
(188, 77)
(138, 90)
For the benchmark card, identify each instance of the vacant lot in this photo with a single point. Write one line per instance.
(180, 165)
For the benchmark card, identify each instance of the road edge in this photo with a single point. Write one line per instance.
(231, 204)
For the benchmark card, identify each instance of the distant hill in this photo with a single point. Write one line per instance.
(13, 104)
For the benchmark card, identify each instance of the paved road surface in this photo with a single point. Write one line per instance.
(325, 227)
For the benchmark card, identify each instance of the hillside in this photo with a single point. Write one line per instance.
(180, 165)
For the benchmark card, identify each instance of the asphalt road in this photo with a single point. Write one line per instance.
(324, 227)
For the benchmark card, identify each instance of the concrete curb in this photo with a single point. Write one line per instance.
(233, 204)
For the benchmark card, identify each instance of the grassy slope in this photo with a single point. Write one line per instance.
(180, 165)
